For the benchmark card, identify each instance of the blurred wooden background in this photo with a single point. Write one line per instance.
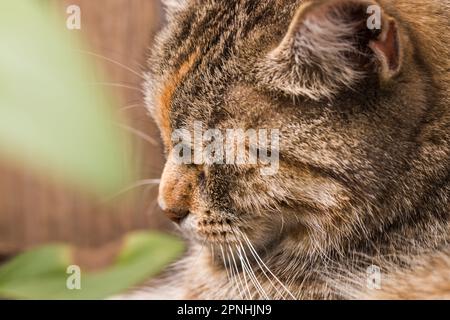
(34, 210)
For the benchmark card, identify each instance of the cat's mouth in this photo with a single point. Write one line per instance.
(231, 240)
(213, 230)
(244, 254)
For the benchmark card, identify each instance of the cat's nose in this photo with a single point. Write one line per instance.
(176, 215)
(174, 205)
(175, 191)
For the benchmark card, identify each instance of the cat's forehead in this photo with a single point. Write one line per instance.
(207, 45)
(220, 24)
(206, 48)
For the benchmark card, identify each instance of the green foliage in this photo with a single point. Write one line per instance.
(52, 120)
(50, 117)
(42, 273)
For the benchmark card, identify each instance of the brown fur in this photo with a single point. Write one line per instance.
(162, 113)
(364, 151)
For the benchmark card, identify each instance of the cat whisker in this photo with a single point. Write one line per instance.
(115, 84)
(244, 273)
(139, 134)
(137, 184)
(232, 272)
(246, 264)
(211, 246)
(130, 106)
(97, 55)
(251, 247)
(264, 294)
(224, 262)
(265, 274)
(241, 288)
(233, 277)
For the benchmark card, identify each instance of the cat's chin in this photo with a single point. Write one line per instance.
(228, 236)
(237, 249)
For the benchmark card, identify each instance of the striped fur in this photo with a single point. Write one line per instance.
(365, 151)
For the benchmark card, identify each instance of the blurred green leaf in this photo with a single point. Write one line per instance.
(42, 273)
(51, 116)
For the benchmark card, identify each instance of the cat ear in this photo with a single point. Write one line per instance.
(331, 45)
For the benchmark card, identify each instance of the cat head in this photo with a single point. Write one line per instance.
(338, 83)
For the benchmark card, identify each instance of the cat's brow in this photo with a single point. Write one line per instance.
(166, 97)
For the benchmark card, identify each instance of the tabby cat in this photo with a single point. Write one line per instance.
(364, 155)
